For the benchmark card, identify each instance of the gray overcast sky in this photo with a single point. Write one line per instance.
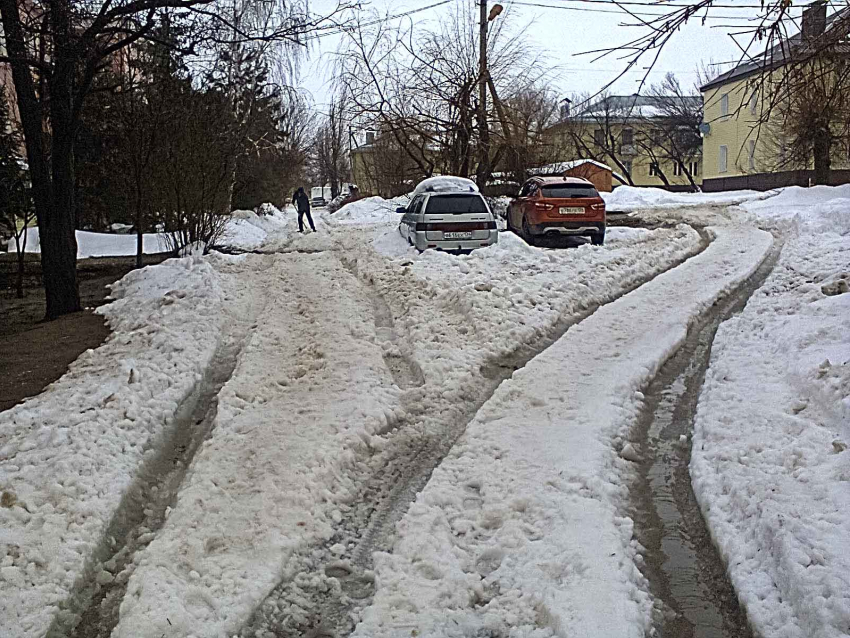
(564, 32)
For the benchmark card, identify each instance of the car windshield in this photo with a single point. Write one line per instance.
(569, 191)
(455, 204)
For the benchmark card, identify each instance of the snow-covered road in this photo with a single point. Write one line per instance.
(352, 373)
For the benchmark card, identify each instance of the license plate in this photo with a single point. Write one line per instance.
(464, 235)
(571, 210)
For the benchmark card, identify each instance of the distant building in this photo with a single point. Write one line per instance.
(743, 141)
(648, 140)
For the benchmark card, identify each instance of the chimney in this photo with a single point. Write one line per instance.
(565, 108)
(814, 20)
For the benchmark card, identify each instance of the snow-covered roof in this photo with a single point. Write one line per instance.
(445, 184)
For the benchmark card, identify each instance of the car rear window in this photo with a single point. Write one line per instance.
(455, 204)
(567, 191)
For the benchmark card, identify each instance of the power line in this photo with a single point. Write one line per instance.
(661, 5)
(621, 12)
(338, 30)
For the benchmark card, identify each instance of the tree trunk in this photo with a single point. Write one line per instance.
(822, 157)
(53, 202)
(19, 283)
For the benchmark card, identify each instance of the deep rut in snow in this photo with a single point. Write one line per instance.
(92, 609)
(694, 598)
(326, 586)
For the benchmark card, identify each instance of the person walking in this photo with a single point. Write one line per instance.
(302, 203)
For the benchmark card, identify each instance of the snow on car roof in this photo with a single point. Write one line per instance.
(445, 184)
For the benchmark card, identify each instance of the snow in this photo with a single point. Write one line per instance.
(370, 210)
(279, 466)
(769, 464)
(248, 231)
(445, 183)
(266, 484)
(245, 230)
(68, 456)
(521, 526)
(102, 244)
(630, 198)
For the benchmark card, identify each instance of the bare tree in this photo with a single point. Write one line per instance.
(56, 49)
(330, 149)
(418, 87)
(670, 130)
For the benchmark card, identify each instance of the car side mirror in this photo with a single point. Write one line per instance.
(401, 210)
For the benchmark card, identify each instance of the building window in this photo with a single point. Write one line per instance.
(753, 103)
(628, 137)
(654, 169)
(677, 169)
(694, 169)
(599, 137)
(751, 160)
(627, 166)
(724, 104)
(722, 160)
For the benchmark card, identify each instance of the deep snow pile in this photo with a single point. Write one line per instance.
(520, 527)
(246, 230)
(630, 198)
(68, 455)
(310, 393)
(370, 210)
(770, 465)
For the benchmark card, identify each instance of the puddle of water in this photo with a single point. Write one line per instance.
(684, 570)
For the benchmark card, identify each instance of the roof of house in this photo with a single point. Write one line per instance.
(778, 55)
(643, 106)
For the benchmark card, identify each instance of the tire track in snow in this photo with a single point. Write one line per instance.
(91, 610)
(694, 598)
(322, 597)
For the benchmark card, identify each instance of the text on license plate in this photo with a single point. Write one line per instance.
(571, 210)
(463, 235)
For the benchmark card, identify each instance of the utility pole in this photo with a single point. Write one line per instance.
(483, 171)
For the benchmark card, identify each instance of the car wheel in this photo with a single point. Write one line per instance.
(526, 232)
(598, 239)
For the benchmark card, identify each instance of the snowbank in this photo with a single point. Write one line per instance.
(310, 392)
(368, 211)
(68, 455)
(521, 526)
(630, 198)
(248, 231)
(102, 244)
(770, 465)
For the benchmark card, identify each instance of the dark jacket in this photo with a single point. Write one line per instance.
(301, 201)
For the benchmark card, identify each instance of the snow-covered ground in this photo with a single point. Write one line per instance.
(769, 466)
(310, 391)
(244, 230)
(631, 198)
(516, 530)
(68, 455)
(521, 527)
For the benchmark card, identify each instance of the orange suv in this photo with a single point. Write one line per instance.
(557, 207)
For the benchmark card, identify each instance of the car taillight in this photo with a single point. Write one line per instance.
(544, 206)
(597, 206)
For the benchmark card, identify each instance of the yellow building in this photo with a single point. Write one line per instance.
(646, 140)
(744, 144)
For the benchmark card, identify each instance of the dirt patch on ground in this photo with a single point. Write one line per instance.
(34, 353)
